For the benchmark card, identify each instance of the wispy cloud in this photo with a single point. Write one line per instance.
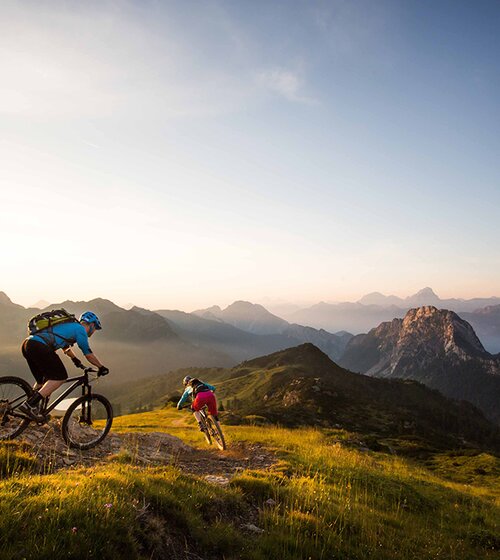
(120, 60)
(287, 83)
(92, 145)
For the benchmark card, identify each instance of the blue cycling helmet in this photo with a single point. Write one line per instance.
(90, 317)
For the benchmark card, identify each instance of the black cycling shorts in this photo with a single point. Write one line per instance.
(43, 362)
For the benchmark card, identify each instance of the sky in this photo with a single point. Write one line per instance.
(180, 154)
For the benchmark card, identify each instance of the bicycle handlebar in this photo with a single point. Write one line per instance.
(90, 370)
(87, 369)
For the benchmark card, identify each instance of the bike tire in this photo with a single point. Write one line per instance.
(206, 428)
(216, 433)
(13, 392)
(78, 429)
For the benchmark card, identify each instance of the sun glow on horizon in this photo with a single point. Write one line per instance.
(178, 158)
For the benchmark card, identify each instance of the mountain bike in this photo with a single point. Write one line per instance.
(85, 424)
(211, 428)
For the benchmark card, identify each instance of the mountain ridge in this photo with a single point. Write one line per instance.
(375, 308)
(256, 320)
(435, 347)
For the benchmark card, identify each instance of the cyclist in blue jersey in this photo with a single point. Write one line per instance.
(47, 368)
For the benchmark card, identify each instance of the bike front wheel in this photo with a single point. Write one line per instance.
(206, 428)
(13, 392)
(216, 432)
(87, 421)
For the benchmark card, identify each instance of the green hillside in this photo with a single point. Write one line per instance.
(302, 386)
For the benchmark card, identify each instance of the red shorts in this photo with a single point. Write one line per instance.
(205, 398)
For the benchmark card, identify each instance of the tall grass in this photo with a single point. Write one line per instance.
(321, 500)
(115, 511)
(330, 499)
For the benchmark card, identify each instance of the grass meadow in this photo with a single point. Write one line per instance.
(325, 498)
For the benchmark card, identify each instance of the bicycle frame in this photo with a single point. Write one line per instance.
(204, 411)
(82, 380)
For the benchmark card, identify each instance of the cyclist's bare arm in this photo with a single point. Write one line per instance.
(94, 360)
(68, 352)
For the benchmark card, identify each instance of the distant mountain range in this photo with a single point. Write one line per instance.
(486, 323)
(435, 347)
(133, 343)
(371, 310)
(253, 318)
(267, 329)
(240, 344)
(426, 296)
(137, 342)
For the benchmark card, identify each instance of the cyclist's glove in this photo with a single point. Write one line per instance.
(102, 371)
(77, 362)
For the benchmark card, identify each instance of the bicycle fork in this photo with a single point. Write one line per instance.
(86, 412)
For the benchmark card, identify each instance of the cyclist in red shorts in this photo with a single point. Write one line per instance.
(201, 394)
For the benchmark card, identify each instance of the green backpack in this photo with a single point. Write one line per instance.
(48, 319)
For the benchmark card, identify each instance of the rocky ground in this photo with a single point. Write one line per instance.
(145, 449)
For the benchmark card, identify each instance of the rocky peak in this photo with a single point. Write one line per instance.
(439, 331)
(435, 347)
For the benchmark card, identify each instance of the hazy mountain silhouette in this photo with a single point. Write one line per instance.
(200, 328)
(13, 321)
(427, 296)
(352, 317)
(375, 308)
(257, 320)
(133, 343)
(435, 347)
(137, 342)
(40, 304)
(486, 323)
(224, 337)
(250, 317)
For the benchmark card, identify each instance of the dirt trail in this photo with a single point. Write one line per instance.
(145, 449)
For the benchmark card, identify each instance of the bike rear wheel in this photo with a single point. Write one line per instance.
(13, 392)
(216, 432)
(87, 421)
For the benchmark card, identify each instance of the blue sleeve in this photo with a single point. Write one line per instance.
(83, 340)
(211, 387)
(185, 396)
